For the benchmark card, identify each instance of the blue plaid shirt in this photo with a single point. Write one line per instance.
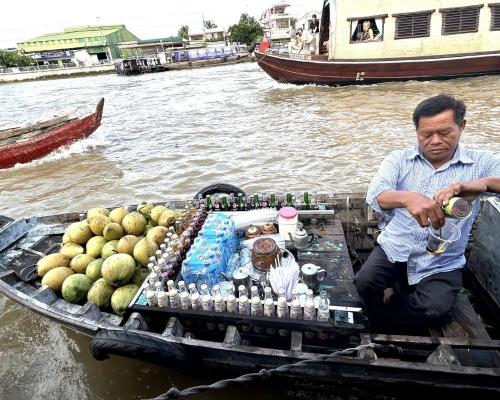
(402, 238)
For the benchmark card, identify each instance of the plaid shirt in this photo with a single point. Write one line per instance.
(402, 238)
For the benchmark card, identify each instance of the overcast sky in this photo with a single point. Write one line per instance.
(25, 19)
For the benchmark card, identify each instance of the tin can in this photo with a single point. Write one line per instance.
(458, 207)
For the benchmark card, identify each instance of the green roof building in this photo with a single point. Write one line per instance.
(100, 40)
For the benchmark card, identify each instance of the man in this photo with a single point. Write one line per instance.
(409, 191)
(314, 29)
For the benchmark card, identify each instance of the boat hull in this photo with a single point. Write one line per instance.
(351, 72)
(207, 63)
(46, 142)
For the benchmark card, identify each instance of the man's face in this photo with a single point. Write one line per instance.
(438, 137)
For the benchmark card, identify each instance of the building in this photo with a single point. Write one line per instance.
(215, 35)
(101, 43)
(150, 47)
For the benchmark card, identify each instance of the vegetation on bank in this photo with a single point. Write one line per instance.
(247, 30)
(14, 59)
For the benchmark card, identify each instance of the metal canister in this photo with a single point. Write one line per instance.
(458, 207)
(252, 232)
(264, 253)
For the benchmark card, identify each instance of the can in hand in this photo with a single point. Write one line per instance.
(458, 207)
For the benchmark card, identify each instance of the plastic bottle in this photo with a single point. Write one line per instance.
(184, 295)
(323, 308)
(309, 308)
(195, 298)
(243, 305)
(295, 307)
(282, 310)
(231, 305)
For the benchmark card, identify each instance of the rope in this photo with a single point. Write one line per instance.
(174, 393)
(266, 53)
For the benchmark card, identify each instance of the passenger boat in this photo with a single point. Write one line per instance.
(404, 41)
(206, 57)
(22, 145)
(459, 358)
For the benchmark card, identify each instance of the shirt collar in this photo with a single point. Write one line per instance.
(459, 156)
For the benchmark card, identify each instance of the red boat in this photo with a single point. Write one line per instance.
(22, 145)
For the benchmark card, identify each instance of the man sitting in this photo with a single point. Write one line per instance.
(409, 190)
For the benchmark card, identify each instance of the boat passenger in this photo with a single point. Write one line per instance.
(314, 29)
(409, 191)
(297, 44)
(367, 33)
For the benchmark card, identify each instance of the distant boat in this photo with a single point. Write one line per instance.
(364, 42)
(22, 145)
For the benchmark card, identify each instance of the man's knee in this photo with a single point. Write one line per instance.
(435, 310)
(362, 280)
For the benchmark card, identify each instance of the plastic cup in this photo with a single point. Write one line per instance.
(438, 240)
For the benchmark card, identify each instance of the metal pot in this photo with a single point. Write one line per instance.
(264, 254)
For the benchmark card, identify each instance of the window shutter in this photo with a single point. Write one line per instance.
(460, 20)
(413, 25)
(495, 17)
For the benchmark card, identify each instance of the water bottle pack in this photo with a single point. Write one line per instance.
(207, 260)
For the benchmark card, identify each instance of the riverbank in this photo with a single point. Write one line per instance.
(58, 73)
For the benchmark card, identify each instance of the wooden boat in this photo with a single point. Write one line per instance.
(22, 145)
(234, 59)
(459, 358)
(408, 42)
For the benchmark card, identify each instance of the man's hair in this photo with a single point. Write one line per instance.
(436, 105)
(314, 16)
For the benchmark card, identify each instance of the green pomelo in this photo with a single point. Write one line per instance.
(93, 270)
(126, 244)
(75, 288)
(66, 239)
(100, 293)
(118, 214)
(97, 211)
(79, 263)
(79, 232)
(122, 297)
(94, 246)
(140, 276)
(118, 269)
(167, 218)
(156, 212)
(51, 261)
(97, 224)
(55, 277)
(71, 250)
(134, 223)
(157, 234)
(143, 250)
(147, 229)
(113, 231)
(109, 249)
(145, 209)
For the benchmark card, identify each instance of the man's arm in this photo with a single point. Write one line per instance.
(470, 189)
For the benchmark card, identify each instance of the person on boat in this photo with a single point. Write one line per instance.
(314, 30)
(367, 33)
(409, 191)
(265, 44)
(297, 44)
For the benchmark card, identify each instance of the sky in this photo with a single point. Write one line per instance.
(26, 19)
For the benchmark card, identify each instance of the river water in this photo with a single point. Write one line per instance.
(169, 134)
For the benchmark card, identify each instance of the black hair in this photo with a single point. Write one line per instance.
(436, 105)
(314, 16)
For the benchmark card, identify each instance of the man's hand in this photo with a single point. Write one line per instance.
(470, 190)
(424, 209)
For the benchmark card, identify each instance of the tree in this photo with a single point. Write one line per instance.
(208, 24)
(247, 30)
(14, 59)
(183, 31)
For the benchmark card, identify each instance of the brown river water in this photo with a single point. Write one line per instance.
(166, 136)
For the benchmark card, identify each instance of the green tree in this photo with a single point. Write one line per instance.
(14, 59)
(247, 30)
(208, 24)
(183, 31)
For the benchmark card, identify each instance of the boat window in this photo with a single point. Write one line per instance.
(413, 25)
(367, 29)
(460, 19)
(495, 16)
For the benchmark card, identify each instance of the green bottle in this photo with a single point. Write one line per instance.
(289, 200)
(273, 204)
(307, 203)
(224, 204)
(256, 201)
(210, 206)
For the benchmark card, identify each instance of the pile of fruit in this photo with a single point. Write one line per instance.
(103, 258)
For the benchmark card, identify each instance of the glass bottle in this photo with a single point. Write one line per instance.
(224, 204)
(281, 201)
(231, 305)
(241, 202)
(209, 204)
(217, 205)
(273, 202)
(307, 204)
(295, 307)
(195, 298)
(184, 295)
(282, 310)
(173, 294)
(309, 307)
(248, 202)
(219, 304)
(289, 200)
(269, 310)
(206, 298)
(151, 297)
(323, 308)
(265, 201)
(243, 303)
(256, 304)
(256, 201)
(162, 299)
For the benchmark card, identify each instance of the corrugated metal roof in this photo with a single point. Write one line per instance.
(78, 32)
(169, 39)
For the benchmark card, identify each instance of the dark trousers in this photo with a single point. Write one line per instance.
(411, 308)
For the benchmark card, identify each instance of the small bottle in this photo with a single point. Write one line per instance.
(241, 202)
(323, 307)
(219, 304)
(152, 260)
(265, 201)
(224, 204)
(295, 307)
(273, 202)
(243, 305)
(309, 308)
(206, 298)
(256, 306)
(209, 204)
(173, 294)
(231, 305)
(150, 267)
(217, 205)
(195, 298)
(248, 202)
(282, 310)
(162, 299)
(307, 203)
(281, 201)
(269, 310)
(151, 297)
(256, 201)
(458, 208)
(184, 295)
(158, 286)
(289, 200)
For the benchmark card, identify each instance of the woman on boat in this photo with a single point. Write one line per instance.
(367, 33)
(409, 191)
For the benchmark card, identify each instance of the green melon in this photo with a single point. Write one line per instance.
(100, 293)
(118, 269)
(122, 297)
(75, 288)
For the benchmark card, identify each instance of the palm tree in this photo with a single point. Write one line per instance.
(183, 31)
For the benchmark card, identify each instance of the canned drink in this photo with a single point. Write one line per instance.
(458, 207)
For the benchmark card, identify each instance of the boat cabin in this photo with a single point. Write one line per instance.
(366, 29)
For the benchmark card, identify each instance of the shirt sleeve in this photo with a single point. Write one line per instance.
(385, 179)
(492, 166)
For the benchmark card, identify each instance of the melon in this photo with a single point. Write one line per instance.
(122, 297)
(118, 269)
(55, 277)
(51, 261)
(100, 293)
(93, 270)
(134, 223)
(75, 288)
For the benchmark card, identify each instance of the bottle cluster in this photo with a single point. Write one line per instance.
(242, 202)
(187, 297)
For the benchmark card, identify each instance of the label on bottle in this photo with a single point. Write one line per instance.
(243, 306)
(269, 310)
(207, 303)
(231, 305)
(282, 311)
(296, 312)
(196, 302)
(323, 315)
(219, 305)
(185, 300)
(309, 313)
(256, 307)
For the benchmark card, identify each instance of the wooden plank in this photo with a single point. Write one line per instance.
(296, 341)
(8, 133)
(430, 341)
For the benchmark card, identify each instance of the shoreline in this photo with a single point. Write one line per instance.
(62, 73)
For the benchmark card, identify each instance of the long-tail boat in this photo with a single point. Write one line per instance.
(22, 145)
(459, 357)
(366, 42)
